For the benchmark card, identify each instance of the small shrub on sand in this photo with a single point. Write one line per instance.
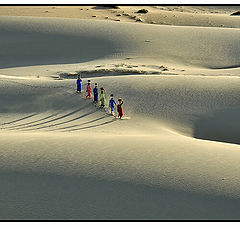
(139, 20)
(115, 7)
(142, 10)
(111, 6)
(236, 13)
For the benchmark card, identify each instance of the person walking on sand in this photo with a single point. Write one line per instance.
(79, 84)
(89, 89)
(119, 108)
(95, 93)
(102, 98)
(112, 104)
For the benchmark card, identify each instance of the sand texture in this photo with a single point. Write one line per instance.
(174, 155)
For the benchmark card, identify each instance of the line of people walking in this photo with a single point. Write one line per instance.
(100, 97)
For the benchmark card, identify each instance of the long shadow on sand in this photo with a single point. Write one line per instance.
(92, 126)
(51, 196)
(61, 123)
(35, 121)
(26, 125)
(20, 119)
(79, 125)
(41, 123)
(221, 126)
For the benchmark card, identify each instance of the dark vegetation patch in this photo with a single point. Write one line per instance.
(110, 6)
(143, 10)
(108, 72)
(236, 13)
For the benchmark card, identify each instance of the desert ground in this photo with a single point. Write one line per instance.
(174, 155)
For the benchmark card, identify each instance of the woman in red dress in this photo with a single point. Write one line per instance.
(119, 108)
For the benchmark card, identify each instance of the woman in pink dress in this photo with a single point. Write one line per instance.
(89, 89)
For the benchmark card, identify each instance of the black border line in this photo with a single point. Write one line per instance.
(116, 220)
(120, 4)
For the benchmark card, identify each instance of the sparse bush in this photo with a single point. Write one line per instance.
(236, 13)
(111, 6)
(139, 20)
(115, 7)
(142, 10)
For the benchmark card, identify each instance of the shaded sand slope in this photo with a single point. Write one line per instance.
(30, 41)
(64, 158)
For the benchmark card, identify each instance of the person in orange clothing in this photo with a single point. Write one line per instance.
(119, 108)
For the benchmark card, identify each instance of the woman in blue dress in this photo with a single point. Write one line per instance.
(79, 84)
(95, 93)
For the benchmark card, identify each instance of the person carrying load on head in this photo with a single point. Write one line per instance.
(119, 108)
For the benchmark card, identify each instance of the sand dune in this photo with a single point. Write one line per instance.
(174, 156)
(205, 16)
(69, 41)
